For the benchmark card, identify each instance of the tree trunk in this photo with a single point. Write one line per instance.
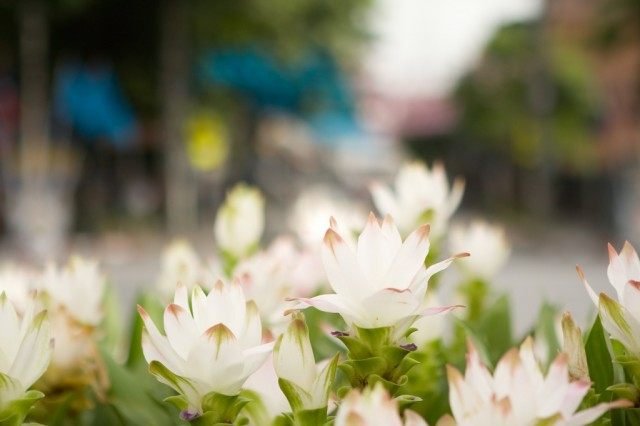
(34, 103)
(181, 190)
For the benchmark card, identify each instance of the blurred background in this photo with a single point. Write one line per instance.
(123, 123)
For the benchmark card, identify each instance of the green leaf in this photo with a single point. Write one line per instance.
(494, 329)
(599, 357)
(545, 331)
(255, 410)
(16, 411)
(363, 368)
(374, 338)
(406, 401)
(294, 394)
(316, 417)
(394, 354)
(631, 416)
(221, 409)
(112, 326)
(283, 420)
(428, 381)
(465, 332)
(154, 308)
(475, 294)
(132, 398)
(625, 391)
(181, 385)
(356, 348)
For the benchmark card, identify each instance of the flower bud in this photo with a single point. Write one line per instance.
(240, 221)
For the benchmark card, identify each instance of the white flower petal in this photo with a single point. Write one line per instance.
(619, 323)
(409, 259)
(588, 416)
(293, 356)
(375, 253)
(216, 359)
(342, 268)
(387, 307)
(34, 352)
(156, 347)
(180, 329)
(623, 267)
(181, 297)
(9, 332)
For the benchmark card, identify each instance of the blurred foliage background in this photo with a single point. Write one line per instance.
(119, 115)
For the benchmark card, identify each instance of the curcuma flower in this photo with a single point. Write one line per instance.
(620, 318)
(518, 393)
(303, 384)
(382, 281)
(25, 352)
(240, 221)
(270, 276)
(75, 302)
(487, 245)
(18, 283)
(312, 209)
(78, 288)
(422, 195)
(374, 407)
(180, 264)
(209, 349)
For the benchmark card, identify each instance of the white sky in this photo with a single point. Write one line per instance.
(423, 46)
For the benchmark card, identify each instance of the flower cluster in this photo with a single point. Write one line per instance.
(345, 329)
(213, 343)
(382, 281)
(518, 393)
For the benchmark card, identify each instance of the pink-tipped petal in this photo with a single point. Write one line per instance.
(180, 329)
(157, 347)
(439, 310)
(590, 415)
(592, 294)
(341, 266)
(181, 297)
(409, 259)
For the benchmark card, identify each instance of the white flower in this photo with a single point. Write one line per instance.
(374, 408)
(421, 195)
(75, 349)
(17, 283)
(25, 350)
(270, 276)
(75, 303)
(487, 245)
(383, 282)
(314, 207)
(306, 387)
(214, 346)
(621, 319)
(78, 288)
(240, 221)
(518, 393)
(181, 264)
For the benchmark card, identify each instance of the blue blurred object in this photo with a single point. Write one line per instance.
(90, 100)
(312, 88)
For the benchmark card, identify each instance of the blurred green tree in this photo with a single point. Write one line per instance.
(533, 98)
